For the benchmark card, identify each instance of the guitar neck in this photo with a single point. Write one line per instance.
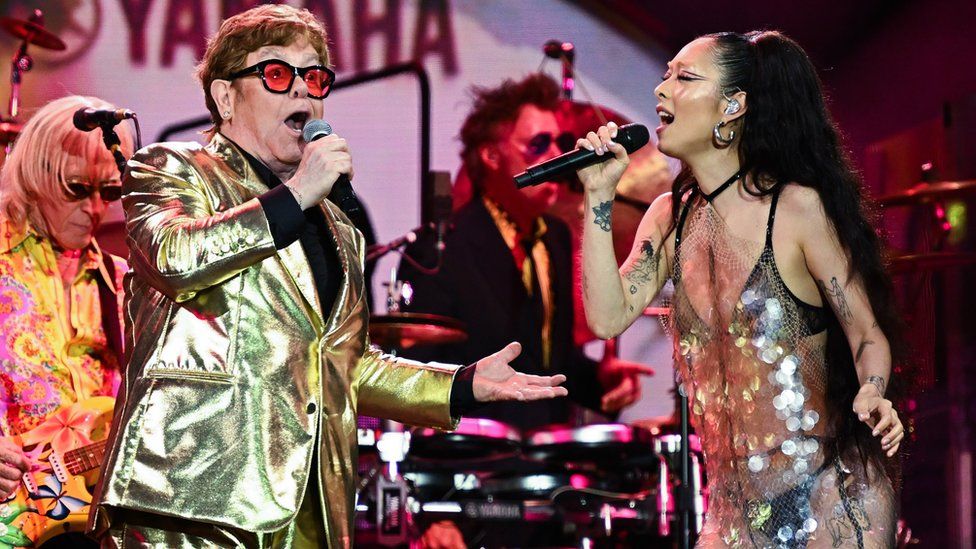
(84, 459)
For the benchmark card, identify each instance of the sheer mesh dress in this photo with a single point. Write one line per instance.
(751, 357)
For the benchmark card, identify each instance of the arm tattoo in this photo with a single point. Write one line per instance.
(878, 382)
(860, 349)
(644, 269)
(601, 213)
(836, 293)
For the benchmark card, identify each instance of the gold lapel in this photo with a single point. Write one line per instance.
(296, 264)
(345, 251)
(292, 257)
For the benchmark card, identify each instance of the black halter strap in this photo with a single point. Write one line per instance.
(728, 183)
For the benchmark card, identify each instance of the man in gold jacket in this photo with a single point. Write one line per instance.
(248, 358)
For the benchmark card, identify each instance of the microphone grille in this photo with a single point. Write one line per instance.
(315, 129)
(79, 119)
(633, 136)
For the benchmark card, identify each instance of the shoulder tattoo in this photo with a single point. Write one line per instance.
(644, 268)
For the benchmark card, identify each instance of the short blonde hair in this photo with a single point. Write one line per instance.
(34, 170)
(264, 25)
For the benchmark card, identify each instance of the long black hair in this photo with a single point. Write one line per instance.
(787, 136)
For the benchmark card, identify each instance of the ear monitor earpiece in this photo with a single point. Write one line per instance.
(733, 107)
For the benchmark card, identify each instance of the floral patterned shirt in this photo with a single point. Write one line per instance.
(48, 357)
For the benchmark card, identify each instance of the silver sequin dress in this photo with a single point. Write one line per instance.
(751, 357)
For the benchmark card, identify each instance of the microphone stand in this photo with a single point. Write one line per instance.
(379, 250)
(113, 144)
(566, 53)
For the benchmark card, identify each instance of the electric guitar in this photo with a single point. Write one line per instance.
(65, 453)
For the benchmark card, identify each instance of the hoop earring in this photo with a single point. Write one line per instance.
(722, 141)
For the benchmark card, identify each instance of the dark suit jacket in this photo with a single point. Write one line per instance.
(479, 285)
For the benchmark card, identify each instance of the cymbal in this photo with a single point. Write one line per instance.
(9, 130)
(924, 192)
(407, 330)
(32, 32)
(930, 261)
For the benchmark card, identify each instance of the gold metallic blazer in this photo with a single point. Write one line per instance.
(235, 377)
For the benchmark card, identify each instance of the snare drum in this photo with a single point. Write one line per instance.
(590, 446)
(474, 440)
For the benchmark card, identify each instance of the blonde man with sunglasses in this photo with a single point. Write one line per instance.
(60, 295)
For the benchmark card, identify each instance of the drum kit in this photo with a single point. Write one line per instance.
(933, 195)
(594, 485)
(585, 486)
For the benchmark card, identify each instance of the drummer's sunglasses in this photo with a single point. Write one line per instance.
(279, 76)
(539, 144)
(78, 189)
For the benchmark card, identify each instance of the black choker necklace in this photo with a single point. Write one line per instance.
(728, 183)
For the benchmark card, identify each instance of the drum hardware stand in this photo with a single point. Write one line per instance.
(664, 502)
(392, 514)
(685, 497)
(20, 64)
(397, 292)
(31, 31)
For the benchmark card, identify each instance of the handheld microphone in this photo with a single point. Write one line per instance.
(631, 136)
(87, 119)
(342, 193)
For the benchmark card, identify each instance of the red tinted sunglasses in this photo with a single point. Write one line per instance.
(279, 76)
